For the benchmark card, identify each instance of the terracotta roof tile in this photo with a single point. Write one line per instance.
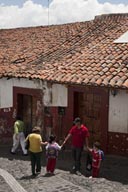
(119, 83)
(125, 84)
(105, 82)
(99, 81)
(78, 53)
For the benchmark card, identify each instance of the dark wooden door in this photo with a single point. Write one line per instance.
(92, 107)
(24, 109)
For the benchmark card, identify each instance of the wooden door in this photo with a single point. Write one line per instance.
(92, 107)
(24, 109)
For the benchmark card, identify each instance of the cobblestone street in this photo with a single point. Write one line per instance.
(16, 175)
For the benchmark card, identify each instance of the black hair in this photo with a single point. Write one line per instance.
(77, 120)
(18, 117)
(97, 145)
(52, 138)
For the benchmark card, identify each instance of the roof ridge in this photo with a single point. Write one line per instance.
(111, 16)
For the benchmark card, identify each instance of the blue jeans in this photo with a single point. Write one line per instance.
(77, 153)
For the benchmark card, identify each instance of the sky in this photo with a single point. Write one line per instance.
(24, 13)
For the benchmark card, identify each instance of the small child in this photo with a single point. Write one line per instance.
(96, 159)
(52, 149)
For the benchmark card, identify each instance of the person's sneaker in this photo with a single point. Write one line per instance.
(25, 154)
(38, 172)
(33, 175)
(89, 167)
(13, 153)
(78, 173)
(52, 173)
(73, 170)
(48, 173)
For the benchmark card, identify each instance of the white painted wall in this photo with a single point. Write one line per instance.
(54, 95)
(118, 112)
(123, 38)
(6, 90)
(59, 95)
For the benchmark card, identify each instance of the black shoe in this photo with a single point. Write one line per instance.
(38, 172)
(78, 173)
(13, 153)
(33, 175)
(25, 154)
(73, 168)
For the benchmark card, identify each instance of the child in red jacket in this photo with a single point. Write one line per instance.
(96, 159)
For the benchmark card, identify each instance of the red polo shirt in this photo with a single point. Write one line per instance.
(78, 135)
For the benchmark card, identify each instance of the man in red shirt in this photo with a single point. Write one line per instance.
(79, 134)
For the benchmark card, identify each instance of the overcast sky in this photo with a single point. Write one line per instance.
(23, 13)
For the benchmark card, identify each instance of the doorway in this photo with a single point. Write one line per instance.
(91, 107)
(24, 110)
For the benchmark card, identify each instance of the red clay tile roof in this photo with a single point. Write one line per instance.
(78, 53)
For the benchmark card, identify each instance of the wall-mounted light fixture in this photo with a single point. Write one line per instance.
(114, 92)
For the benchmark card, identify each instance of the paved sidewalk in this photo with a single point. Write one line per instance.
(58, 184)
(114, 175)
(10, 180)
